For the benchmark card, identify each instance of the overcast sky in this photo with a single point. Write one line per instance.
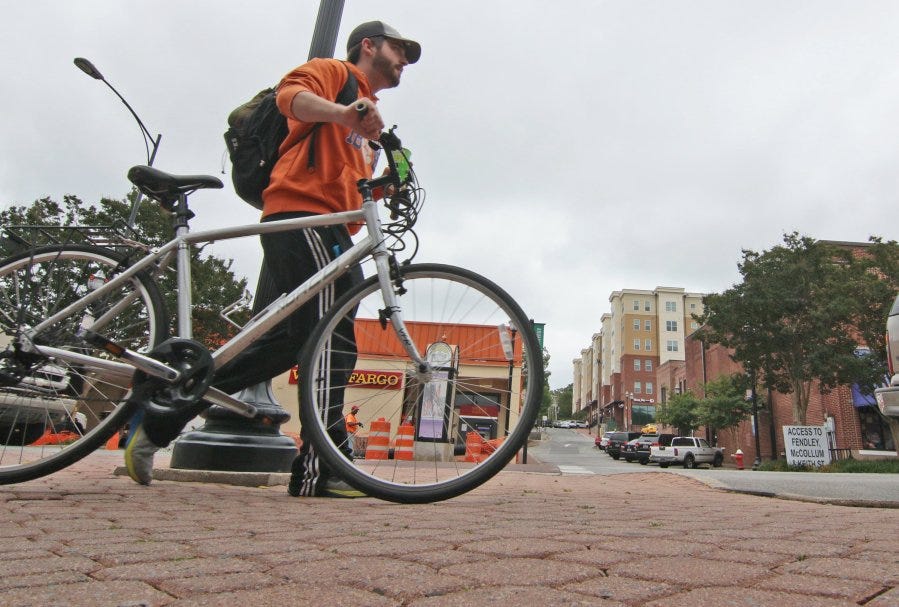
(568, 149)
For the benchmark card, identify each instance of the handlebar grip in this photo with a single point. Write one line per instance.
(361, 110)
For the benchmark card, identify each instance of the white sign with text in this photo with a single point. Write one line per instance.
(806, 445)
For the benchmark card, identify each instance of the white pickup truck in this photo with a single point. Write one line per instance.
(688, 451)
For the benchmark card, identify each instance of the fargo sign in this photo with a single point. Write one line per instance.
(382, 380)
(806, 445)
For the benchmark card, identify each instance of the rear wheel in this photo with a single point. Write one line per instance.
(689, 461)
(54, 412)
(435, 433)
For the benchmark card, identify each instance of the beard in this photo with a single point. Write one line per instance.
(386, 68)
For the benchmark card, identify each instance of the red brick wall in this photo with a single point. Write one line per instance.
(837, 403)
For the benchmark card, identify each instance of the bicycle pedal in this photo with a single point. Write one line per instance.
(99, 341)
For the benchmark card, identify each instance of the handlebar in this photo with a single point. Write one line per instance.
(399, 173)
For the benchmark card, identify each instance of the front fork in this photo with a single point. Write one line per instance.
(391, 283)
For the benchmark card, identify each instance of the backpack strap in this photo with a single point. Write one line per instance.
(347, 95)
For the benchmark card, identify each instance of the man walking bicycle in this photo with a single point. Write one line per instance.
(324, 155)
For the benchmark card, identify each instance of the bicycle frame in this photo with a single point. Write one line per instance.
(372, 244)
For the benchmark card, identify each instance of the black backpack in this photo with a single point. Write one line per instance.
(256, 130)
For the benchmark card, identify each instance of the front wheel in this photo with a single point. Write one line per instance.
(718, 461)
(54, 412)
(432, 433)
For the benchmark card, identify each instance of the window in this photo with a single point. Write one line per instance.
(647, 325)
(649, 387)
(647, 365)
(646, 306)
(636, 324)
(638, 387)
(643, 414)
(648, 345)
(692, 306)
(671, 306)
(671, 325)
(636, 344)
(636, 364)
(672, 345)
(694, 325)
(636, 305)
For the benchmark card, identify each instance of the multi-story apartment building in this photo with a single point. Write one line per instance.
(640, 339)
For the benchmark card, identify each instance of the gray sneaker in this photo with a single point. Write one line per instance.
(139, 455)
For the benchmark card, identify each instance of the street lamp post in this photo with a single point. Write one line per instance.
(507, 340)
(88, 68)
(755, 421)
(628, 407)
(228, 441)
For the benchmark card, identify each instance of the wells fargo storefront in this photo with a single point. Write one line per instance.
(486, 400)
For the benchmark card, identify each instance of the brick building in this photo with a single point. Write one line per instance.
(644, 353)
(858, 427)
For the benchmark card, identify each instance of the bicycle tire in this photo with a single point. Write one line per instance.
(438, 303)
(48, 394)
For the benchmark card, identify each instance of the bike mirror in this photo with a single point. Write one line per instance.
(88, 68)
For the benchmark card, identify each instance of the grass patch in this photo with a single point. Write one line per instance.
(843, 465)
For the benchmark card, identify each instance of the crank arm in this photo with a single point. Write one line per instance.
(217, 397)
(150, 366)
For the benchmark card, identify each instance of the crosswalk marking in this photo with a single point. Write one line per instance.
(574, 470)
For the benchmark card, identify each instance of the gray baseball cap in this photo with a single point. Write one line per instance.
(371, 29)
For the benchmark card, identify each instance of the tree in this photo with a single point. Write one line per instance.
(876, 283)
(725, 404)
(791, 319)
(565, 400)
(547, 399)
(214, 284)
(681, 412)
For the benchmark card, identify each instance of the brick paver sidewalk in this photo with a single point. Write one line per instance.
(86, 537)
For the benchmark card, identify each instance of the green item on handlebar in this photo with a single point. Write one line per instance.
(401, 161)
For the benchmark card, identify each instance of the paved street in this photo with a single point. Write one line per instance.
(88, 537)
(573, 452)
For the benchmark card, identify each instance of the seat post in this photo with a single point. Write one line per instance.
(183, 215)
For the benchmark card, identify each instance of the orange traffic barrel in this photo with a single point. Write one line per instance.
(378, 439)
(405, 442)
(113, 442)
(473, 442)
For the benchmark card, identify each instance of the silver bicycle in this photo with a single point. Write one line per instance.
(83, 338)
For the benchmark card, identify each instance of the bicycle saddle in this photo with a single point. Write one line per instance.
(165, 187)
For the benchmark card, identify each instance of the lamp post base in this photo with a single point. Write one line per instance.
(229, 442)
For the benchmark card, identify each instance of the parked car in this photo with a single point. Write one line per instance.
(602, 442)
(29, 408)
(644, 444)
(629, 450)
(888, 398)
(689, 451)
(580, 424)
(616, 439)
